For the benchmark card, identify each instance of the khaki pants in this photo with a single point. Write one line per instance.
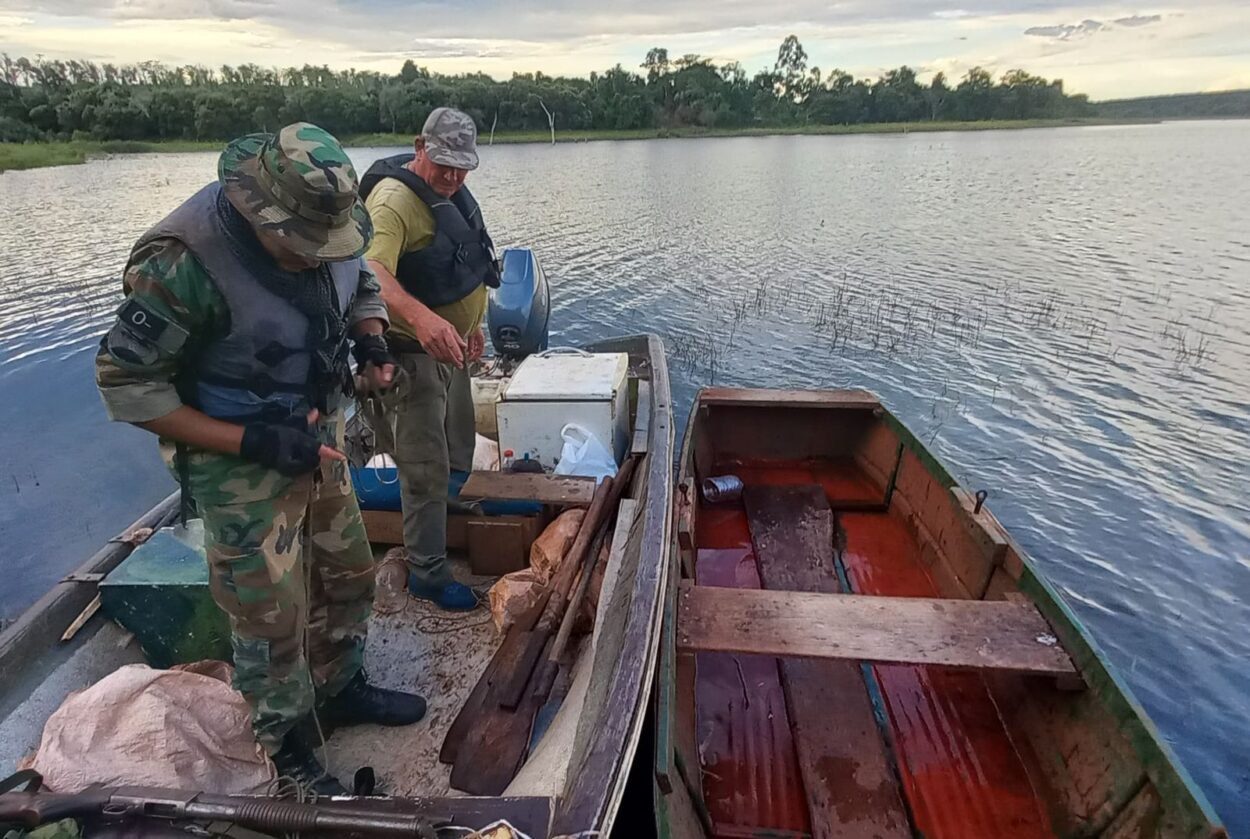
(427, 426)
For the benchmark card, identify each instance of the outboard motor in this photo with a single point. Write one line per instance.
(519, 308)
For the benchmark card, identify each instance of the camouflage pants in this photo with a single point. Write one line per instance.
(427, 425)
(290, 565)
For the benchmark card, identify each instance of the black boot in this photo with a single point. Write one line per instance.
(298, 761)
(361, 702)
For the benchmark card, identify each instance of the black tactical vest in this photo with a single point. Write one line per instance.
(263, 367)
(462, 255)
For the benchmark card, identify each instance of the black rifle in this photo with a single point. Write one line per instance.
(381, 818)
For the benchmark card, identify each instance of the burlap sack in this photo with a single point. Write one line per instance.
(549, 548)
(512, 595)
(175, 729)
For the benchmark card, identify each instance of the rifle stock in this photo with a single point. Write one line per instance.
(31, 809)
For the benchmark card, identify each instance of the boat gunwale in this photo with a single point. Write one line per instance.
(597, 783)
(36, 633)
(1158, 762)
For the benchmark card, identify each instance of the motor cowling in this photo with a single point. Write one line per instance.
(519, 309)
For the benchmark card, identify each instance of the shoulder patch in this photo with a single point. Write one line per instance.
(141, 336)
(141, 320)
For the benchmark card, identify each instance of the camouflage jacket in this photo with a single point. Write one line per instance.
(167, 278)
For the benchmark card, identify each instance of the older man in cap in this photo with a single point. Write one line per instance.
(434, 260)
(232, 347)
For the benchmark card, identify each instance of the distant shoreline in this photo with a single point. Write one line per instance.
(15, 156)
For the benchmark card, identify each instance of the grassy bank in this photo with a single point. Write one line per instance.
(34, 155)
(375, 140)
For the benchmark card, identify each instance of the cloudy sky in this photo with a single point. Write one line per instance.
(1103, 50)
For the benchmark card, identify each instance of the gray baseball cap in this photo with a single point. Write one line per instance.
(450, 138)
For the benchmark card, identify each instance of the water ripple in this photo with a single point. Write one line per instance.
(1059, 313)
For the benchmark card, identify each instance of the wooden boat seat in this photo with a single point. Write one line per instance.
(1004, 635)
(526, 486)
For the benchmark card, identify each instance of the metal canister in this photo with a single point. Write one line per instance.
(721, 489)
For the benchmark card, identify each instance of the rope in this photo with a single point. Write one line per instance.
(435, 621)
(320, 746)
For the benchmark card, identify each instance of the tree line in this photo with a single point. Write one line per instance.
(1226, 104)
(44, 99)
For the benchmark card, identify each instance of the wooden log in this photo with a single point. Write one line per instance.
(828, 702)
(976, 634)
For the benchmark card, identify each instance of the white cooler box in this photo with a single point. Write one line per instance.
(554, 388)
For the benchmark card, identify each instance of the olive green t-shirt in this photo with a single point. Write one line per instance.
(402, 223)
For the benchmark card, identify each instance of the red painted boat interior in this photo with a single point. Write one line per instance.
(958, 769)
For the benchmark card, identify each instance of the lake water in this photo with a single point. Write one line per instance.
(1061, 313)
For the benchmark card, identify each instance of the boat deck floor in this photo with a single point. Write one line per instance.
(435, 653)
(416, 647)
(951, 754)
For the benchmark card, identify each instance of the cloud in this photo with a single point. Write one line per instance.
(437, 48)
(1099, 49)
(1065, 31)
(1137, 20)
(1088, 27)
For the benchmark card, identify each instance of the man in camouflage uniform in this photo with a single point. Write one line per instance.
(231, 346)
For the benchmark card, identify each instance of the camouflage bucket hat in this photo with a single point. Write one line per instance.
(299, 184)
(450, 138)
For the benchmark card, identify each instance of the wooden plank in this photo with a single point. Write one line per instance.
(386, 527)
(497, 547)
(491, 755)
(1142, 817)
(642, 419)
(851, 790)
(986, 531)
(666, 686)
(80, 621)
(383, 527)
(978, 634)
(850, 399)
(526, 486)
(500, 669)
(954, 542)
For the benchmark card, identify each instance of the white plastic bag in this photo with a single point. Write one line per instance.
(485, 455)
(583, 454)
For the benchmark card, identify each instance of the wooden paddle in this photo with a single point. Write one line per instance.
(499, 737)
(501, 667)
(595, 527)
